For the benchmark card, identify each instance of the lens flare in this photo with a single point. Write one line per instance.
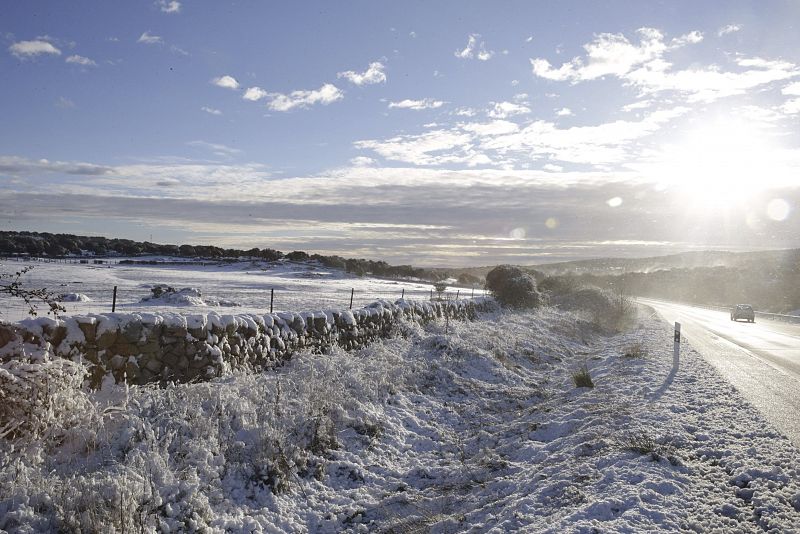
(778, 209)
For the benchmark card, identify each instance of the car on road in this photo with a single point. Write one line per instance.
(743, 311)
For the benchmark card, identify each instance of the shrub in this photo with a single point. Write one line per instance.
(608, 311)
(513, 287)
(582, 378)
(636, 350)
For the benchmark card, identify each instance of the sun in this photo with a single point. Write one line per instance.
(721, 164)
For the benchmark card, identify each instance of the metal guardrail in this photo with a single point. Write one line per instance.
(778, 317)
(794, 319)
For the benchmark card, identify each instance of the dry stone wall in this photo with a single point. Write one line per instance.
(142, 348)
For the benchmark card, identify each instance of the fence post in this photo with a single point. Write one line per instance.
(403, 294)
(473, 292)
(352, 291)
(457, 292)
(114, 301)
(431, 294)
(271, 298)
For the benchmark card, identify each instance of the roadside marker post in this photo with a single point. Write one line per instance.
(352, 291)
(271, 298)
(677, 346)
(114, 301)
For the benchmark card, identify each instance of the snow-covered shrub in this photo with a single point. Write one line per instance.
(513, 287)
(40, 395)
(610, 312)
(74, 297)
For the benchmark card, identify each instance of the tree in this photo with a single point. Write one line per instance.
(439, 287)
(297, 255)
(11, 284)
(513, 287)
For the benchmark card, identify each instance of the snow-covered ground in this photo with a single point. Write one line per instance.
(479, 429)
(297, 286)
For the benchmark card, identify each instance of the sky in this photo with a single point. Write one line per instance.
(432, 133)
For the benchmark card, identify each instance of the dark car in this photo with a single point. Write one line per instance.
(743, 311)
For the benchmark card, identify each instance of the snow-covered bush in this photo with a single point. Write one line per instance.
(610, 312)
(513, 287)
(40, 395)
(74, 297)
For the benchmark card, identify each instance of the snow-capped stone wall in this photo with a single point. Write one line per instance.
(142, 347)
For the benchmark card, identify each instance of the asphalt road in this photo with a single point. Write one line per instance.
(761, 359)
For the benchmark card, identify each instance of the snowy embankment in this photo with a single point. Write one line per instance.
(479, 429)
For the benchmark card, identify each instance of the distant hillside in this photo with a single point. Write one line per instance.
(685, 260)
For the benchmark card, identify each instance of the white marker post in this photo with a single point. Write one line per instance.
(677, 346)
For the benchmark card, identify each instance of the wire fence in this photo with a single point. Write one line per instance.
(223, 295)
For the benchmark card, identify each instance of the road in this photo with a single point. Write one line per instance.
(761, 359)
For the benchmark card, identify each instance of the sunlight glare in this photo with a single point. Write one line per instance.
(720, 165)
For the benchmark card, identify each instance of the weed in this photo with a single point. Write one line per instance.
(582, 378)
(635, 350)
(645, 444)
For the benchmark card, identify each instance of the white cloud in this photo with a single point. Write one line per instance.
(564, 112)
(641, 104)
(791, 106)
(608, 54)
(692, 37)
(150, 39)
(254, 94)
(502, 110)
(29, 49)
(216, 148)
(412, 34)
(226, 82)
(373, 74)
(474, 49)
(65, 103)
(465, 112)
(730, 28)
(431, 148)
(211, 111)
(81, 60)
(169, 6)
(549, 167)
(362, 161)
(497, 127)
(325, 95)
(792, 89)
(503, 142)
(529, 39)
(425, 103)
(644, 66)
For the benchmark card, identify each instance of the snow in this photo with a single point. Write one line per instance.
(479, 428)
(74, 297)
(296, 286)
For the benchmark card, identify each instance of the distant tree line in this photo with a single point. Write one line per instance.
(61, 245)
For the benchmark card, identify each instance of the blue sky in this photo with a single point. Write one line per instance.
(447, 133)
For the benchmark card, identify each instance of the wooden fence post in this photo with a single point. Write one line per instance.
(352, 291)
(114, 301)
(271, 298)
(403, 294)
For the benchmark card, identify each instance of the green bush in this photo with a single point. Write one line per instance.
(513, 287)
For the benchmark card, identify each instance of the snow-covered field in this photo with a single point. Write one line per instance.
(480, 429)
(297, 286)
